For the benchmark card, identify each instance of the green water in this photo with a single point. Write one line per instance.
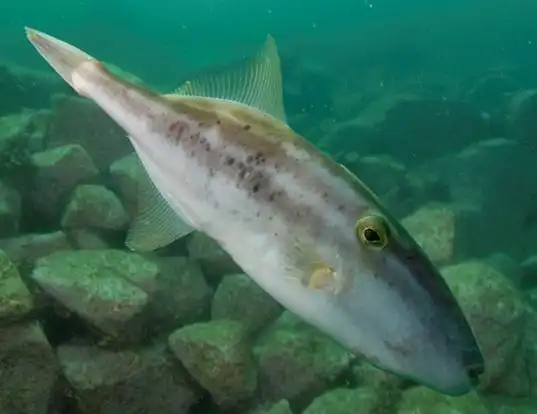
(432, 104)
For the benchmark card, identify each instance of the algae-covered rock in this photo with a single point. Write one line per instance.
(380, 173)
(88, 239)
(522, 113)
(94, 206)
(10, 211)
(297, 362)
(124, 176)
(16, 300)
(239, 298)
(435, 227)
(502, 197)
(106, 288)
(126, 381)
(219, 357)
(344, 400)
(20, 134)
(58, 172)
(27, 88)
(214, 261)
(28, 370)
(79, 121)
(528, 277)
(495, 310)
(181, 294)
(424, 400)
(367, 375)
(25, 250)
(281, 407)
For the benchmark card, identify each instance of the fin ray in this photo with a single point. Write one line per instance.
(156, 224)
(256, 83)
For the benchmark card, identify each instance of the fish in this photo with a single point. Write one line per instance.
(218, 156)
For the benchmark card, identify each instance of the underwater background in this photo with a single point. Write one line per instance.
(432, 104)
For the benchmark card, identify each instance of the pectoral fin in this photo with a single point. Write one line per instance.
(310, 269)
(156, 224)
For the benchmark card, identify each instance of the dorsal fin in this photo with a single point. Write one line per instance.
(256, 82)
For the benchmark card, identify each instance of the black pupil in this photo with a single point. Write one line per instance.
(371, 236)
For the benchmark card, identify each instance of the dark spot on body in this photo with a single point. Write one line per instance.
(242, 174)
(247, 127)
(255, 188)
(205, 144)
(173, 126)
(201, 124)
(259, 158)
(218, 122)
(211, 172)
(249, 159)
(341, 207)
(230, 161)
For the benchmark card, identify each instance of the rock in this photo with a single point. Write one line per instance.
(495, 310)
(522, 115)
(106, 288)
(181, 295)
(58, 172)
(528, 267)
(219, 357)
(281, 407)
(368, 376)
(27, 88)
(214, 261)
(434, 227)
(25, 250)
(393, 122)
(490, 91)
(507, 266)
(344, 400)
(19, 135)
(124, 180)
(126, 381)
(10, 211)
(351, 137)
(478, 179)
(29, 370)
(239, 298)
(16, 302)
(454, 125)
(380, 173)
(519, 380)
(297, 362)
(422, 399)
(87, 239)
(531, 298)
(94, 206)
(79, 121)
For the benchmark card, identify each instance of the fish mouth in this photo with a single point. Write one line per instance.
(400, 315)
(415, 278)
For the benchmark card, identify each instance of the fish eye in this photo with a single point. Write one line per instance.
(372, 231)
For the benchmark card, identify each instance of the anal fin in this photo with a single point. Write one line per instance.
(156, 224)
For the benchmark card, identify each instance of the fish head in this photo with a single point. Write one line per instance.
(397, 311)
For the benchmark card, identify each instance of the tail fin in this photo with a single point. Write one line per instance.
(64, 58)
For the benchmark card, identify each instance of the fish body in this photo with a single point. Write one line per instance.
(220, 158)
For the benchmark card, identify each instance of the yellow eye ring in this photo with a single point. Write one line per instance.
(372, 231)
